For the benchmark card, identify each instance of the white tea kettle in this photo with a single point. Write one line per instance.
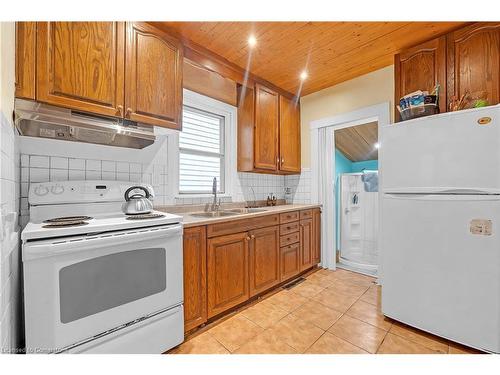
(137, 204)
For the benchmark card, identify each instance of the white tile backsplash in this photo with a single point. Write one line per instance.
(58, 162)
(77, 164)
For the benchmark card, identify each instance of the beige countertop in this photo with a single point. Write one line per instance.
(192, 221)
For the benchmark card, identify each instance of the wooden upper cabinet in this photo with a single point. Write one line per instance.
(80, 65)
(153, 84)
(195, 277)
(289, 135)
(421, 68)
(227, 272)
(266, 129)
(306, 243)
(264, 268)
(474, 61)
(25, 60)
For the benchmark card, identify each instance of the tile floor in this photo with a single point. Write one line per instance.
(332, 312)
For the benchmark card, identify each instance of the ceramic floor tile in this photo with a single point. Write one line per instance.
(397, 345)
(287, 300)
(420, 337)
(296, 332)
(201, 344)
(264, 314)
(307, 289)
(358, 333)
(317, 314)
(373, 295)
(266, 343)
(321, 280)
(347, 288)
(235, 332)
(330, 344)
(370, 314)
(355, 278)
(334, 300)
(455, 348)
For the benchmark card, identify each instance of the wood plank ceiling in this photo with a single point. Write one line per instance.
(357, 143)
(331, 52)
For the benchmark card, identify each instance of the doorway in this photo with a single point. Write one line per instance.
(356, 197)
(323, 161)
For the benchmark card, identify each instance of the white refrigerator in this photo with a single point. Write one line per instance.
(440, 216)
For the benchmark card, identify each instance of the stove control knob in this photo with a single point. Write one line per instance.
(41, 190)
(57, 189)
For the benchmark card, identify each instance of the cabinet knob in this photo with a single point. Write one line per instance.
(120, 110)
(252, 236)
(128, 112)
(248, 238)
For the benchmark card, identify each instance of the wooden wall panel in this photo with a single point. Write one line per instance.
(209, 83)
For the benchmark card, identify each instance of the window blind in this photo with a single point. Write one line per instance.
(201, 151)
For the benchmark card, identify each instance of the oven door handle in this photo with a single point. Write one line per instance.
(35, 250)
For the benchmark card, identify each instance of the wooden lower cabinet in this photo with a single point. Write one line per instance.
(289, 261)
(264, 269)
(316, 251)
(223, 269)
(195, 277)
(306, 243)
(227, 272)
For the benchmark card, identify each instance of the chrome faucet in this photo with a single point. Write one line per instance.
(254, 198)
(215, 205)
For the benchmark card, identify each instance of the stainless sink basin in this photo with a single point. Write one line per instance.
(213, 214)
(228, 212)
(247, 210)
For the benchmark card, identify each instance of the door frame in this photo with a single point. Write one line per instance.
(378, 112)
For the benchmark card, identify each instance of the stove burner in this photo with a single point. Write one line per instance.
(64, 224)
(144, 216)
(68, 219)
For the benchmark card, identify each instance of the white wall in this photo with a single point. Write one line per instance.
(10, 291)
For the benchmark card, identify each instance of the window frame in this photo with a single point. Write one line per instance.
(228, 113)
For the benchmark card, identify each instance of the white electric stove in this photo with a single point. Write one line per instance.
(97, 280)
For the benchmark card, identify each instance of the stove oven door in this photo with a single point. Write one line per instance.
(79, 287)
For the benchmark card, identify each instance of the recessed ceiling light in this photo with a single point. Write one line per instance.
(303, 75)
(252, 41)
(377, 145)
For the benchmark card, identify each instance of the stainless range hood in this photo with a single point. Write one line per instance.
(36, 119)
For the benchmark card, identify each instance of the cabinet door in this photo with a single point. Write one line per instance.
(316, 252)
(195, 277)
(289, 261)
(474, 61)
(289, 135)
(264, 270)
(266, 129)
(306, 243)
(227, 272)
(153, 84)
(80, 65)
(421, 68)
(25, 59)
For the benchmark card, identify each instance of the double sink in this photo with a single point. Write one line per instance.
(228, 212)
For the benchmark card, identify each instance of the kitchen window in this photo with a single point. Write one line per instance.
(204, 142)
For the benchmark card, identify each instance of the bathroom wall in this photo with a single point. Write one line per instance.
(344, 165)
(10, 273)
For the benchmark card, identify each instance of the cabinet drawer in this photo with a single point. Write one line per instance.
(288, 217)
(306, 214)
(289, 228)
(238, 226)
(289, 239)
